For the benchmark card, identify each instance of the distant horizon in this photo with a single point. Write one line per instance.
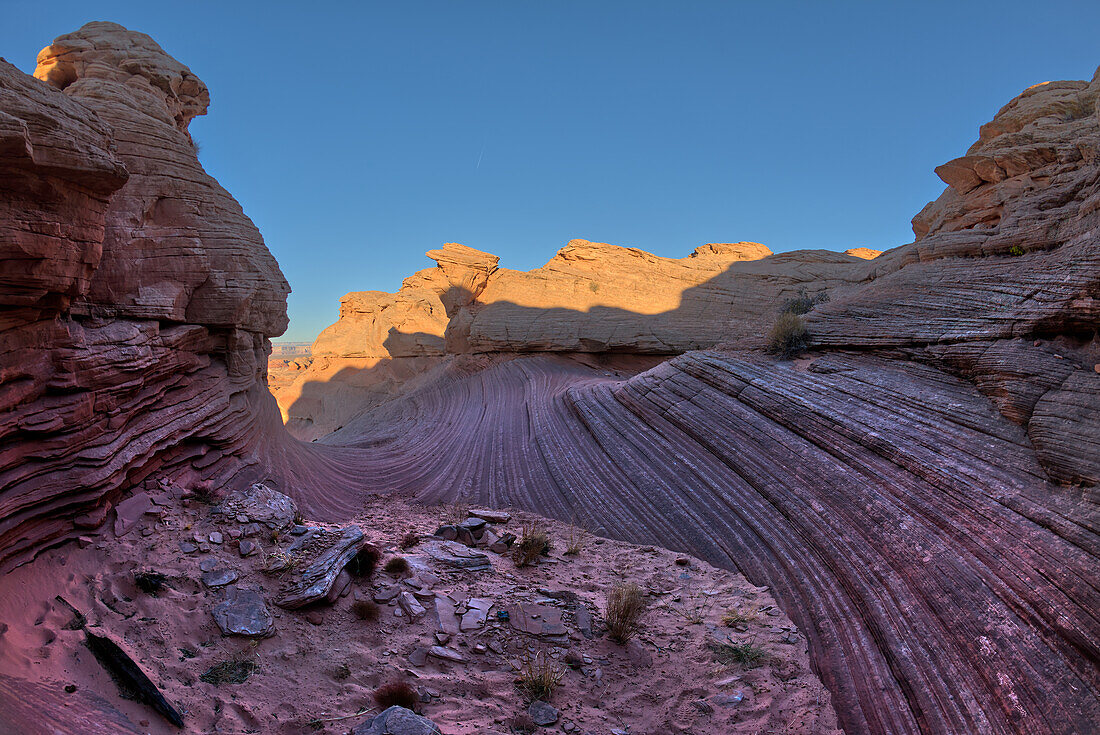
(360, 135)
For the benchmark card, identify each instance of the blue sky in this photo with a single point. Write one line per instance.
(359, 135)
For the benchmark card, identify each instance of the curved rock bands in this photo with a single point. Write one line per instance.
(945, 586)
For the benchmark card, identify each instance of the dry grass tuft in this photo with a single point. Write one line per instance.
(235, 671)
(747, 654)
(204, 492)
(277, 560)
(538, 675)
(455, 513)
(396, 693)
(732, 618)
(788, 336)
(533, 543)
(409, 540)
(625, 605)
(574, 540)
(366, 609)
(397, 566)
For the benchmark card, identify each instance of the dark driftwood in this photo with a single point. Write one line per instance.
(124, 669)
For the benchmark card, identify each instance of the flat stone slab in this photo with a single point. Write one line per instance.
(244, 613)
(446, 621)
(458, 556)
(411, 606)
(476, 612)
(219, 577)
(543, 714)
(536, 619)
(493, 516)
(130, 511)
(446, 654)
(260, 504)
(320, 557)
(397, 721)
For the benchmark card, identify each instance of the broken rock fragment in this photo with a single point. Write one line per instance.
(243, 612)
(319, 558)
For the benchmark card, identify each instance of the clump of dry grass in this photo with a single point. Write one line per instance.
(625, 605)
(234, 671)
(396, 694)
(574, 540)
(788, 336)
(538, 675)
(397, 566)
(533, 543)
(747, 654)
(409, 540)
(366, 609)
(455, 513)
(522, 723)
(732, 618)
(277, 560)
(205, 493)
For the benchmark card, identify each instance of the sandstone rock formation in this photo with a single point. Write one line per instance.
(590, 298)
(919, 491)
(137, 297)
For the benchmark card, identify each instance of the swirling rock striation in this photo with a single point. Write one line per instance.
(136, 300)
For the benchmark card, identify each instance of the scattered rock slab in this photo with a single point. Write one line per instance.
(542, 713)
(219, 577)
(385, 593)
(397, 721)
(476, 612)
(493, 516)
(410, 605)
(446, 620)
(321, 557)
(447, 654)
(244, 613)
(458, 556)
(130, 511)
(536, 619)
(261, 504)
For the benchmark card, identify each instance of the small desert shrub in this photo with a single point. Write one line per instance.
(342, 672)
(235, 671)
(802, 304)
(746, 654)
(572, 659)
(1016, 251)
(574, 541)
(455, 513)
(150, 582)
(625, 605)
(788, 336)
(205, 493)
(522, 724)
(364, 562)
(396, 693)
(409, 540)
(397, 566)
(733, 618)
(365, 609)
(533, 543)
(538, 675)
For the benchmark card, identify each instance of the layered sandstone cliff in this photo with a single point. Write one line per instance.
(137, 298)
(589, 298)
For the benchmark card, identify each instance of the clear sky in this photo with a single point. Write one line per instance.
(358, 135)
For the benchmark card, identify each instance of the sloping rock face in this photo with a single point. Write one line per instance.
(1003, 282)
(919, 491)
(137, 298)
(590, 298)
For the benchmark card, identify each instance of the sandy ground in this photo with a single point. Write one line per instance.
(325, 662)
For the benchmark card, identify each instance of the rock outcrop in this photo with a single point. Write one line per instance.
(590, 298)
(137, 298)
(919, 491)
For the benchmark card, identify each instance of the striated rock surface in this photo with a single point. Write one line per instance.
(136, 298)
(919, 492)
